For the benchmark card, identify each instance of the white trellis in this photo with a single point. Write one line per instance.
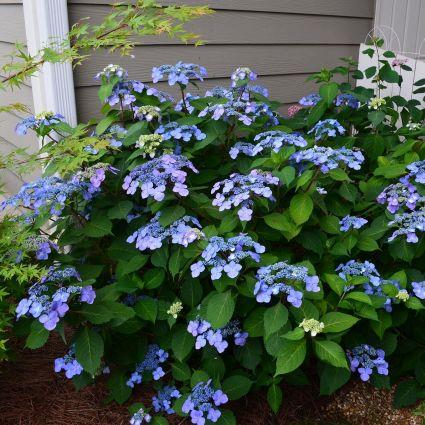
(412, 59)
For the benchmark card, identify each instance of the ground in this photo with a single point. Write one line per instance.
(32, 394)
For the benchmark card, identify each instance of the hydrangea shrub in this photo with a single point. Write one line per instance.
(207, 246)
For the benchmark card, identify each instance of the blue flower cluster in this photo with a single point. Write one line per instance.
(140, 416)
(242, 76)
(147, 113)
(220, 92)
(110, 71)
(179, 73)
(202, 401)
(202, 330)
(280, 278)
(154, 175)
(181, 105)
(365, 359)
(328, 159)
(347, 99)
(225, 256)
(154, 357)
(176, 131)
(417, 171)
(123, 93)
(38, 244)
(53, 192)
(238, 190)
(182, 232)
(375, 283)
(37, 122)
(400, 194)
(273, 140)
(349, 222)
(163, 401)
(50, 308)
(419, 289)
(310, 100)
(69, 364)
(327, 128)
(408, 224)
(246, 112)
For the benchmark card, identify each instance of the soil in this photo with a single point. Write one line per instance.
(31, 393)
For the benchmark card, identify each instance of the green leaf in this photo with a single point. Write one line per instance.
(376, 117)
(118, 387)
(153, 278)
(367, 244)
(274, 397)
(181, 371)
(294, 335)
(300, 208)
(182, 342)
(279, 221)
(171, 214)
(120, 210)
(135, 263)
(104, 311)
(291, 356)
(104, 124)
(236, 386)
(254, 322)
(380, 326)
(330, 352)
(359, 296)
(328, 92)
(220, 309)
(227, 418)
(406, 393)
(191, 292)
(330, 224)
(147, 309)
(332, 378)
(38, 335)
(274, 318)
(89, 349)
(176, 262)
(98, 226)
(228, 223)
(338, 175)
(316, 113)
(338, 322)
(286, 175)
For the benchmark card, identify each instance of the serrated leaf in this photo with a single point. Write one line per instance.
(38, 335)
(300, 208)
(330, 352)
(274, 397)
(89, 349)
(220, 309)
(274, 318)
(98, 226)
(236, 386)
(291, 356)
(120, 210)
(338, 322)
(171, 214)
(182, 343)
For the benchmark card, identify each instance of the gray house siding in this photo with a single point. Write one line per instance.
(285, 41)
(12, 30)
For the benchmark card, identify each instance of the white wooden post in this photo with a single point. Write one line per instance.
(46, 21)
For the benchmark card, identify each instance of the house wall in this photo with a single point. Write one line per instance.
(12, 30)
(407, 20)
(285, 41)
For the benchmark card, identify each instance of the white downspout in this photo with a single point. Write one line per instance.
(53, 86)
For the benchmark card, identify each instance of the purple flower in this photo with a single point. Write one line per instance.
(419, 289)
(155, 175)
(349, 222)
(222, 255)
(365, 359)
(327, 128)
(201, 403)
(310, 100)
(180, 73)
(281, 278)
(69, 364)
(151, 363)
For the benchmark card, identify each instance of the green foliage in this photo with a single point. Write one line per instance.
(150, 297)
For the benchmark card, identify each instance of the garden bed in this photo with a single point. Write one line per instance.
(31, 393)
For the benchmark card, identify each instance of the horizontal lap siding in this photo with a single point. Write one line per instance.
(284, 41)
(12, 30)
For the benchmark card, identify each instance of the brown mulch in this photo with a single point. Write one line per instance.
(32, 394)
